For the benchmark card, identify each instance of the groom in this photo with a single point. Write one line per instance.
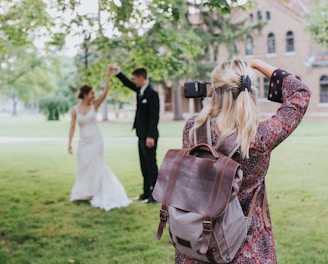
(145, 122)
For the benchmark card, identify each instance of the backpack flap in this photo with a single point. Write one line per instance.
(193, 183)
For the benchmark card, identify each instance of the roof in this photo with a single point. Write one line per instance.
(298, 6)
(318, 59)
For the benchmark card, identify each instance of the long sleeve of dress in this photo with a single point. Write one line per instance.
(295, 98)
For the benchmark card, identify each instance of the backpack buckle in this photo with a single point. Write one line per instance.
(163, 215)
(207, 226)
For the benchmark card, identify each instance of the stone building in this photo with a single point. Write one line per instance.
(285, 43)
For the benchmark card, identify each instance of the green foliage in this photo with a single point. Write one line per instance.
(155, 34)
(223, 5)
(54, 106)
(20, 21)
(317, 24)
(27, 75)
(24, 74)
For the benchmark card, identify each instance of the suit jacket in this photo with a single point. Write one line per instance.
(147, 113)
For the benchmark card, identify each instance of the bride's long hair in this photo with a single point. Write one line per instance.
(231, 110)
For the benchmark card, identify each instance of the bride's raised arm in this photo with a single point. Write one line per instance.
(102, 97)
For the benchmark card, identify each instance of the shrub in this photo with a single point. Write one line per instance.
(54, 106)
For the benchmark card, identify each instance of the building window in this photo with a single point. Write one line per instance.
(249, 45)
(289, 41)
(266, 84)
(251, 18)
(259, 15)
(324, 89)
(271, 43)
(268, 16)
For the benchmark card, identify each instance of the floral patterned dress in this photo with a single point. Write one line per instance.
(259, 246)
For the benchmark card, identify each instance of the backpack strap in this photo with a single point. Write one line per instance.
(264, 209)
(264, 206)
(167, 198)
(203, 135)
(229, 146)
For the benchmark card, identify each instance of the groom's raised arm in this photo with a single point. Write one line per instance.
(128, 83)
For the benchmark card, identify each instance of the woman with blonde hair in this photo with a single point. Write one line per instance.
(231, 108)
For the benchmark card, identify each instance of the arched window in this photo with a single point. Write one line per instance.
(250, 18)
(324, 89)
(268, 16)
(249, 45)
(271, 43)
(289, 41)
(259, 15)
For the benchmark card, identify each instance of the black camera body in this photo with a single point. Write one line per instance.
(196, 89)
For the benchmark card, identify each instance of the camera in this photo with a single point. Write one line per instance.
(196, 89)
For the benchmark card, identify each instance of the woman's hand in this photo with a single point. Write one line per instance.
(70, 149)
(109, 70)
(253, 63)
(150, 142)
(261, 66)
(112, 68)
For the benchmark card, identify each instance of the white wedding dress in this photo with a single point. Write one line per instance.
(95, 181)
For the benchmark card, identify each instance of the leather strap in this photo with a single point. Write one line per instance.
(229, 146)
(203, 135)
(207, 232)
(207, 222)
(264, 206)
(264, 209)
(250, 212)
(163, 219)
(167, 198)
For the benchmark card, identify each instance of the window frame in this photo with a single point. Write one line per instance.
(323, 83)
(271, 43)
(290, 43)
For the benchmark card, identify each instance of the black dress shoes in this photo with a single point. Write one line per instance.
(143, 196)
(151, 200)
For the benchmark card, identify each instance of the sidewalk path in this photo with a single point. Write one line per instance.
(6, 140)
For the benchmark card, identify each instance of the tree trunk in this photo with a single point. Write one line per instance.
(14, 102)
(178, 113)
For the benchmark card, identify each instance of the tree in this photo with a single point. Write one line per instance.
(24, 74)
(152, 33)
(20, 22)
(54, 106)
(23, 69)
(215, 28)
(317, 23)
(148, 34)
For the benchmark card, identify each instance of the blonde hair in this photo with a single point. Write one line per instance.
(233, 111)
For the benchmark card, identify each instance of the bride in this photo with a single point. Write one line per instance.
(94, 181)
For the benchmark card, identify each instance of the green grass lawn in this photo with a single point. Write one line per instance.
(38, 224)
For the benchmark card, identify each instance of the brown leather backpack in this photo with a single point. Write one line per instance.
(198, 190)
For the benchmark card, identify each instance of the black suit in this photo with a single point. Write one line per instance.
(145, 122)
